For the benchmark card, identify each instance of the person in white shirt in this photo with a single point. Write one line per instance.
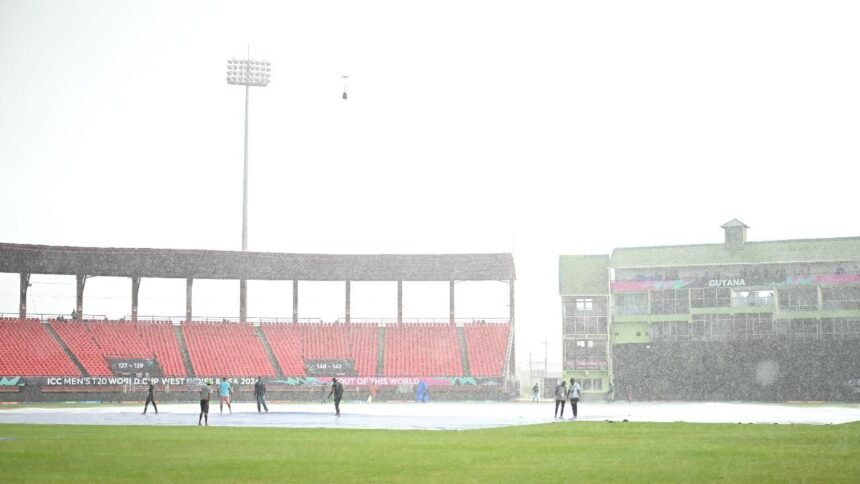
(573, 396)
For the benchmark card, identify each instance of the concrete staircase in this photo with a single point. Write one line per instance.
(464, 354)
(66, 349)
(183, 349)
(380, 351)
(274, 361)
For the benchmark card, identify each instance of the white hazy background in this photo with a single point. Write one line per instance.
(533, 127)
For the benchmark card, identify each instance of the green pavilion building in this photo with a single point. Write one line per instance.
(738, 320)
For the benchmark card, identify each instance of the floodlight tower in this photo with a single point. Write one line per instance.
(247, 72)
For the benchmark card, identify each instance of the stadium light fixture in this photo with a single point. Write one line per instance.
(247, 72)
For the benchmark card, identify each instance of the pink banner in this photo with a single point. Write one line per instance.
(395, 380)
(638, 286)
(837, 279)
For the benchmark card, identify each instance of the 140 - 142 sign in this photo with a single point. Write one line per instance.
(330, 368)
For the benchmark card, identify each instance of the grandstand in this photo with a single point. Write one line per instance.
(422, 350)
(356, 342)
(484, 343)
(79, 356)
(27, 349)
(739, 320)
(94, 342)
(236, 350)
(85, 356)
(226, 349)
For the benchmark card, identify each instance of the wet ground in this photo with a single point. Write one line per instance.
(434, 415)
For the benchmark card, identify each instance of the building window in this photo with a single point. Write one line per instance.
(710, 297)
(670, 301)
(743, 298)
(828, 328)
(585, 355)
(798, 298)
(734, 326)
(586, 325)
(721, 327)
(671, 330)
(763, 323)
(840, 328)
(800, 329)
(585, 315)
(584, 304)
(840, 298)
(742, 327)
(630, 304)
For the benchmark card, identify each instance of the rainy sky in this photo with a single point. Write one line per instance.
(533, 127)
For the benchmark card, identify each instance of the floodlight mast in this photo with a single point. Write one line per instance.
(247, 72)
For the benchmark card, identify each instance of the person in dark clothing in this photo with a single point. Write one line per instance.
(337, 391)
(260, 393)
(560, 398)
(150, 398)
(535, 390)
(205, 396)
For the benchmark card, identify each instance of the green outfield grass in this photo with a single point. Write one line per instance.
(562, 452)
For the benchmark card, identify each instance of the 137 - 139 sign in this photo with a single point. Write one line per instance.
(330, 368)
(134, 366)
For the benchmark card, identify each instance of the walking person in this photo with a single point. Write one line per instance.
(535, 390)
(260, 393)
(610, 394)
(337, 391)
(205, 396)
(560, 398)
(372, 395)
(150, 398)
(573, 395)
(225, 391)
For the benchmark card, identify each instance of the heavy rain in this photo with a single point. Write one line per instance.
(447, 216)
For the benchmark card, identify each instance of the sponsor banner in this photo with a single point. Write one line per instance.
(55, 381)
(807, 280)
(639, 286)
(126, 380)
(837, 279)
(392, 381)
(15, 381)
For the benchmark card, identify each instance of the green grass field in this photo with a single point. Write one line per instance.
(564, 452)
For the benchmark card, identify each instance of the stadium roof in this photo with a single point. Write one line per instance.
(770, 252)
(212, 264)
(583, 274)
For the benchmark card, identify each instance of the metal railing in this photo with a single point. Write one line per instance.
(262, 319)
(52, 316)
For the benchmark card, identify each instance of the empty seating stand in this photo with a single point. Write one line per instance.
(226, 349)
(27, 349)
(93, 342)
(294, 344)
(286, 343)
(234, 349)
(422, 349)
(486, 347)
